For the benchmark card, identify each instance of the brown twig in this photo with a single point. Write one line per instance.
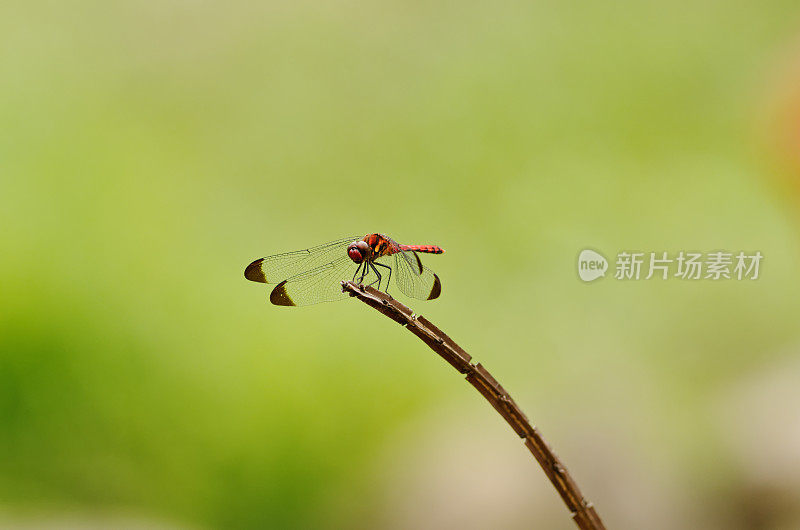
(583, 513)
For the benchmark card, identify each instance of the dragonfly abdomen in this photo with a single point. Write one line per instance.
(429, 249)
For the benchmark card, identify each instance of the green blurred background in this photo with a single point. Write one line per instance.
(150, 150)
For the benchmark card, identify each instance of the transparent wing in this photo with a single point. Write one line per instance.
(278, 267)
(413, 278)
(321, 284)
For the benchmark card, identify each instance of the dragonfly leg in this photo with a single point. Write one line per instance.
(378, 274)
(386, 289)
(358, 269)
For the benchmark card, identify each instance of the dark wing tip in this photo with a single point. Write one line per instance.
(254, 273)
(437, 288)
(278, 296)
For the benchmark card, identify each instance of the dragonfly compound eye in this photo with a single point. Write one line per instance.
(354, 254)
(358, 251)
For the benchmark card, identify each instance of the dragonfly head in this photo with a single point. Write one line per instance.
(359, 251)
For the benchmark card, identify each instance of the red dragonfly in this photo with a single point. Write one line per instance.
(314, 275)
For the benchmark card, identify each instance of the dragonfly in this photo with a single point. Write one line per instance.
(314, 275)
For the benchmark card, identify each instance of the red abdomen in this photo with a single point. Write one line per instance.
(429, 249)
